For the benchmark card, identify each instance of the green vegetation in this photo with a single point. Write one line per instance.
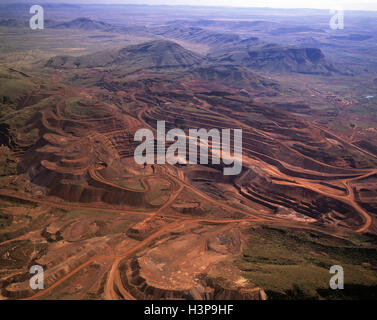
(7, 162)
(294, 264)
(5, 220)
(22, 122)
(132, 183)
(159, 193)
(122, 227)
(84, 108)
(14, 85)
(74, 213)
(16, 254)
(25, 223)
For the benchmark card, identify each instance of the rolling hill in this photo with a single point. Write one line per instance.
(12, 23)
(153, 54)
(197, 35)
(275, 58)
(234, 76)
(84, 24)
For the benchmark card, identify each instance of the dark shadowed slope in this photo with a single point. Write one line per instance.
(234, 76)
(274, 58)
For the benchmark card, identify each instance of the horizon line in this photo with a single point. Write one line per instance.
(186, 5)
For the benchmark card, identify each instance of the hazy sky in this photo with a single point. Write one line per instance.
(319, 4)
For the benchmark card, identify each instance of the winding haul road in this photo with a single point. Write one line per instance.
(251, 216)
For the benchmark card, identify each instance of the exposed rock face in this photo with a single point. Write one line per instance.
(68, 166)
(145, 228)
(82, 187)
(192, 208)
(207, 289)
(258, 187)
